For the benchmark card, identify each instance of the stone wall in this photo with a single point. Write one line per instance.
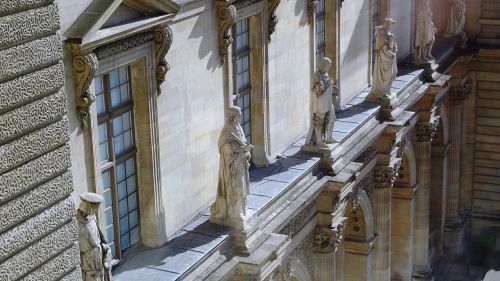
(37, 230)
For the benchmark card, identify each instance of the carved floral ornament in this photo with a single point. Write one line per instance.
(272, 5)
(427, 130)
(384, 176)
(327, 239)
(457, 95)
(226, 16)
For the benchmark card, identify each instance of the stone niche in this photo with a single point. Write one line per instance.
(354, 48)
(402, 12)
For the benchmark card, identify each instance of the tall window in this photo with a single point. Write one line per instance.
(243, 87)
(320, 31)
(118, 159)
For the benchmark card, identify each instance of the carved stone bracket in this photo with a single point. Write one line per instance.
(425, 131)
(327, 239)
(84, 69)
(272, 5)
(384, 176)
(311, 5)
(226, 15)
(458, 95)
(163, 40)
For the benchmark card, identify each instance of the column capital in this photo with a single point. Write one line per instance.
(384, 176)
(457, 95)
(326, 239)
(425, 131)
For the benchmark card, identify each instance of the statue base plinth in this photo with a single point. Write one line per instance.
(387, 103)
(246, 235)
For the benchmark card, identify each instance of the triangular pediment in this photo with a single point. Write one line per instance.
(112, 18)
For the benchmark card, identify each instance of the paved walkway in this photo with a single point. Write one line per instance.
(200, 238)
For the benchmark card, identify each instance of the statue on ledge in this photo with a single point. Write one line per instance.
(95, 253)
(233, 185)
(456, 20)
(386, 64)
(425, 35)
(322, 109)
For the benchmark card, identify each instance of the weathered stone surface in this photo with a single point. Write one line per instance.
(30, 56)
(56, 267)
(27, 88)
(34, 144)
(28, 175)
(39, 252)
(27, 24)
(35, 200)
(10, 6)
(35, 228)
(73, 275)
(32, 115)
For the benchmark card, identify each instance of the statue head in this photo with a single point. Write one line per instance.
(89, 203)
(388, 22)
(234, 114)
(324, 64)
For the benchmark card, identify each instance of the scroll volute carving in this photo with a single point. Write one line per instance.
(272, 5)
(84, 69)
(226, 15)
(311, 10)
(163, 40)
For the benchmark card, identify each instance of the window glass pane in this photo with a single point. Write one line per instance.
(117, 125)
(125, 242)
(108, 216)
(134, 236)
(122, 208)
(108, 201)
(113, 78)
(120, 172)
(124, 225)
(127, 140)
(109, 234)
(246, 100)
(132, 219)
(122, 190)
(132, 201)
(130, 184)
(100, 103)
(98, 85)
(125, 97)
(246, 115)
(115, 97)
(245, 62)
(123, 74)
(126, 120)
(118, 142)
(129, 164)
(105, 180)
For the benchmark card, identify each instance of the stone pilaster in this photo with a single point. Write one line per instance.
(384, 179)
(421, 264)
(326, 241)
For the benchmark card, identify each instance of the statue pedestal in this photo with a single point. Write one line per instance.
(387, 102)
(326, 153)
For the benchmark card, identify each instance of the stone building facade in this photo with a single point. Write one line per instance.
(126, 98)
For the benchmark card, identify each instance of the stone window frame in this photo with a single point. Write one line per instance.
(255, 14)
(142, 63)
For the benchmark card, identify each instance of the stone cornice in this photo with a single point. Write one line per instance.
(84, 69)
(123, 45)
(226, 16)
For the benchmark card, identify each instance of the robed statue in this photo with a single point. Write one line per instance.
(386, 64)
(424, 35)
(233, 184)
(456, 20)
(95, 254)
(322, 108)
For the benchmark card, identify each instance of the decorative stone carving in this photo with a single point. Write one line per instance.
(95, 253)
(84, 68)
(323, 112)
(123, 45)
(311, 10)
(385, 68)
(458, 95)
(367, 155)
(456, 20)
(426, 130)
(33, 85)
(424, 35)
(273, 18)
(298, 221)
(56, 267)
(226, 15)
(384, 176)
(233, 186)
(163, 40)
(326, 239)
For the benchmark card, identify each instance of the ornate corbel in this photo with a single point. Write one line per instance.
(326, 240)
(311, 10)
(272, 5)
(226, 15)
(163, 40)
(425, 131)
(84, 69)
(384, 176)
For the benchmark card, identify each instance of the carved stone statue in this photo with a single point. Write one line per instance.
(425, 35)
(456, 20)
(233, 186)
(322, 109)
(95, 253)
(386, 65)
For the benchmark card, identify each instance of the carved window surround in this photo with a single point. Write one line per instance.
(85, 63)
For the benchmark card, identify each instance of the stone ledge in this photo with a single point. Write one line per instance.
(28, 87)
(20, 27)
(30, 174)
(34, 144)
(30, 56)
